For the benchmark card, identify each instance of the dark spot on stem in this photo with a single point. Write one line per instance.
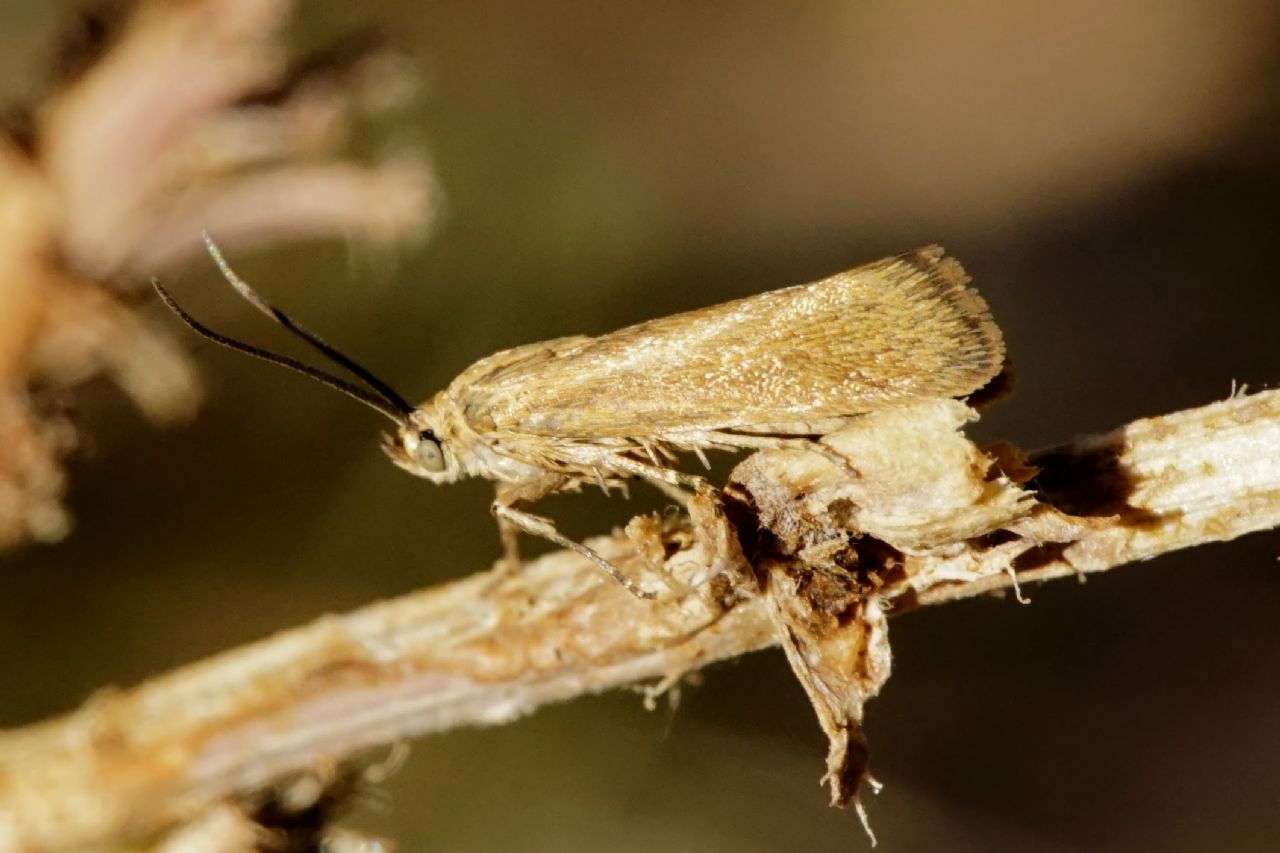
(1089, 483)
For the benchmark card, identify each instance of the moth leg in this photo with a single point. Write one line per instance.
(669, 481)
(767, 442)
(510, 494)
(538, 526)
(507, 534)
(657, 474)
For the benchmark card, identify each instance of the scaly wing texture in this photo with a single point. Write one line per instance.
(902, 328)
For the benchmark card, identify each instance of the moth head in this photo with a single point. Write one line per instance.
(417, 448)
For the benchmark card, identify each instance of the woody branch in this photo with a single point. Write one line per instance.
(928, 518)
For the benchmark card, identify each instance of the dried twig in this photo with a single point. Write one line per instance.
(801, 552)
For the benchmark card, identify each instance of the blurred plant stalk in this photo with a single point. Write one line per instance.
(172, 118)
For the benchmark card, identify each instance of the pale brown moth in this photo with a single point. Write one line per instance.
(782, 368)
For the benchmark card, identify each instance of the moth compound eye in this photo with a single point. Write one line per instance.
(428, 453)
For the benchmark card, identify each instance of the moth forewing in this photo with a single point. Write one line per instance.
(902, 328)
(784, 367)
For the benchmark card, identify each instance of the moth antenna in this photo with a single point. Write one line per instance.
(329, 351)
(363, 395)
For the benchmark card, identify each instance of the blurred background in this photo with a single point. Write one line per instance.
(1108, 173)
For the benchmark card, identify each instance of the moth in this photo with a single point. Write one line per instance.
(779, 369)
